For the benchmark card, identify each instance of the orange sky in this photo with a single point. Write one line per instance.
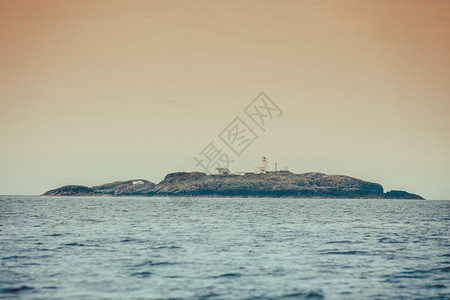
(95, 91)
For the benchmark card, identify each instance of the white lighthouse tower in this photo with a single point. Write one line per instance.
(263, 168)
(264, 165)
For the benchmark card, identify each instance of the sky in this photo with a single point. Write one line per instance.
(97, 91)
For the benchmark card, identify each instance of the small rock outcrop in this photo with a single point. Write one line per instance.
(137, 187)
(401, 195)
(71, 190)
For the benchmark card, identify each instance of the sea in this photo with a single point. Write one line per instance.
(223, 248)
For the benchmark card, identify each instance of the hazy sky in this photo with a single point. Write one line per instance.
(98, 90)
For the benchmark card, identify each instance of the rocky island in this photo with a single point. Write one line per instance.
(270, 184)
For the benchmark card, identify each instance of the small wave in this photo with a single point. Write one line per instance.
(91, 220)
(132, 240)
(343, 242)
(304, 295)
(74, 244)
(345, 293)
(31, 264)
(209, 295)
(57, 274)
(152, 263)
(127, 240)
(166, 247)
(414, 274)
(417, 271)
(229, 275)
(16, 289)
(389, 241)
(438, 286)
(47, 249)
(346, 252)
(14, 257)
(142, 274)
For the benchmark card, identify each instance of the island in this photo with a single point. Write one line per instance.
(280, 184)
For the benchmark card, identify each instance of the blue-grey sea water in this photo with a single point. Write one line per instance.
(220, 248)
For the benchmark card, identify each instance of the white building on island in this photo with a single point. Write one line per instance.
(221, 171)
(263, 168)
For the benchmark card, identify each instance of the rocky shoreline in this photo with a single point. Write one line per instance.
(273, 184)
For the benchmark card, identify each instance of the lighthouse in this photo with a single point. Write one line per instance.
(264, 165)
(263, 168)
